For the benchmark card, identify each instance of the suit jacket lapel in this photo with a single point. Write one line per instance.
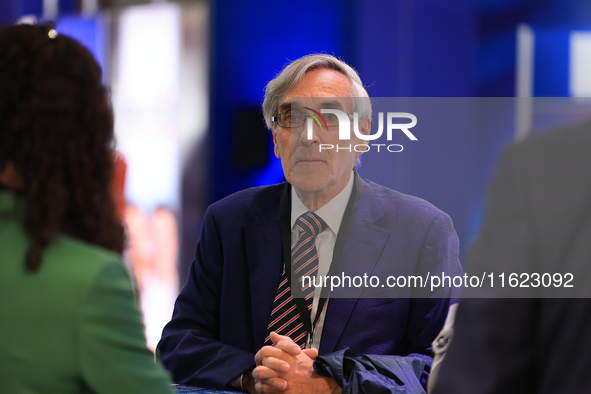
(265, 264)
(360, 253)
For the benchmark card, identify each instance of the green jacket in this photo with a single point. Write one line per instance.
(73, 326)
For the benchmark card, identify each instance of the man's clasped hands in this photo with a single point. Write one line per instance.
(288, 369)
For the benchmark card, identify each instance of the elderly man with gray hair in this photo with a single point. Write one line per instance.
(254, 315)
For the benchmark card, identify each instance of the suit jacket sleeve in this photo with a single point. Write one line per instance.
(190, 346)
(111, 345)
(439, 256)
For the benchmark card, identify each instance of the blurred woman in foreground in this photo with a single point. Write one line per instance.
(68, 319)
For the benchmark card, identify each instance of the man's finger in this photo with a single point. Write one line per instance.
(263, 388)
(276, 383)
(285, 343)
(312, 353)
(275, 364)
(261, 373)
(289, 347)
(269, 351)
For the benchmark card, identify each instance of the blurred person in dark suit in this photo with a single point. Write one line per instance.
(538, 220)
(238, 296)
(69, 319)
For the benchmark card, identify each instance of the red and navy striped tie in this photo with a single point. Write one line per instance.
(285, 319)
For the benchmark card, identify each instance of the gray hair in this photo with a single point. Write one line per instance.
(294, 72)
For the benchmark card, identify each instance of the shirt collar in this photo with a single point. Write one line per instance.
(332, 213)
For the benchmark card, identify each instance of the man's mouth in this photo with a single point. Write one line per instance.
(309, 160)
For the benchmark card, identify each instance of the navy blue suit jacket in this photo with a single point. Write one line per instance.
(221, 315)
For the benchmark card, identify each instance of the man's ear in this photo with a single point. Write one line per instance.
(365, 126)
(275, 145)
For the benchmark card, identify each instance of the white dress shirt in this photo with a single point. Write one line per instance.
(332, 213)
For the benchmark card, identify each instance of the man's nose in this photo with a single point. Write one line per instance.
(310, 132)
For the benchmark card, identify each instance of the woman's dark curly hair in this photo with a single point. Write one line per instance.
(56, 128)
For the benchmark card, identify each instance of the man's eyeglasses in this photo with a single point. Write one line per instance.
(296, 119)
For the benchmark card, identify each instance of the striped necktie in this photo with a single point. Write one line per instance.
(285, 319)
